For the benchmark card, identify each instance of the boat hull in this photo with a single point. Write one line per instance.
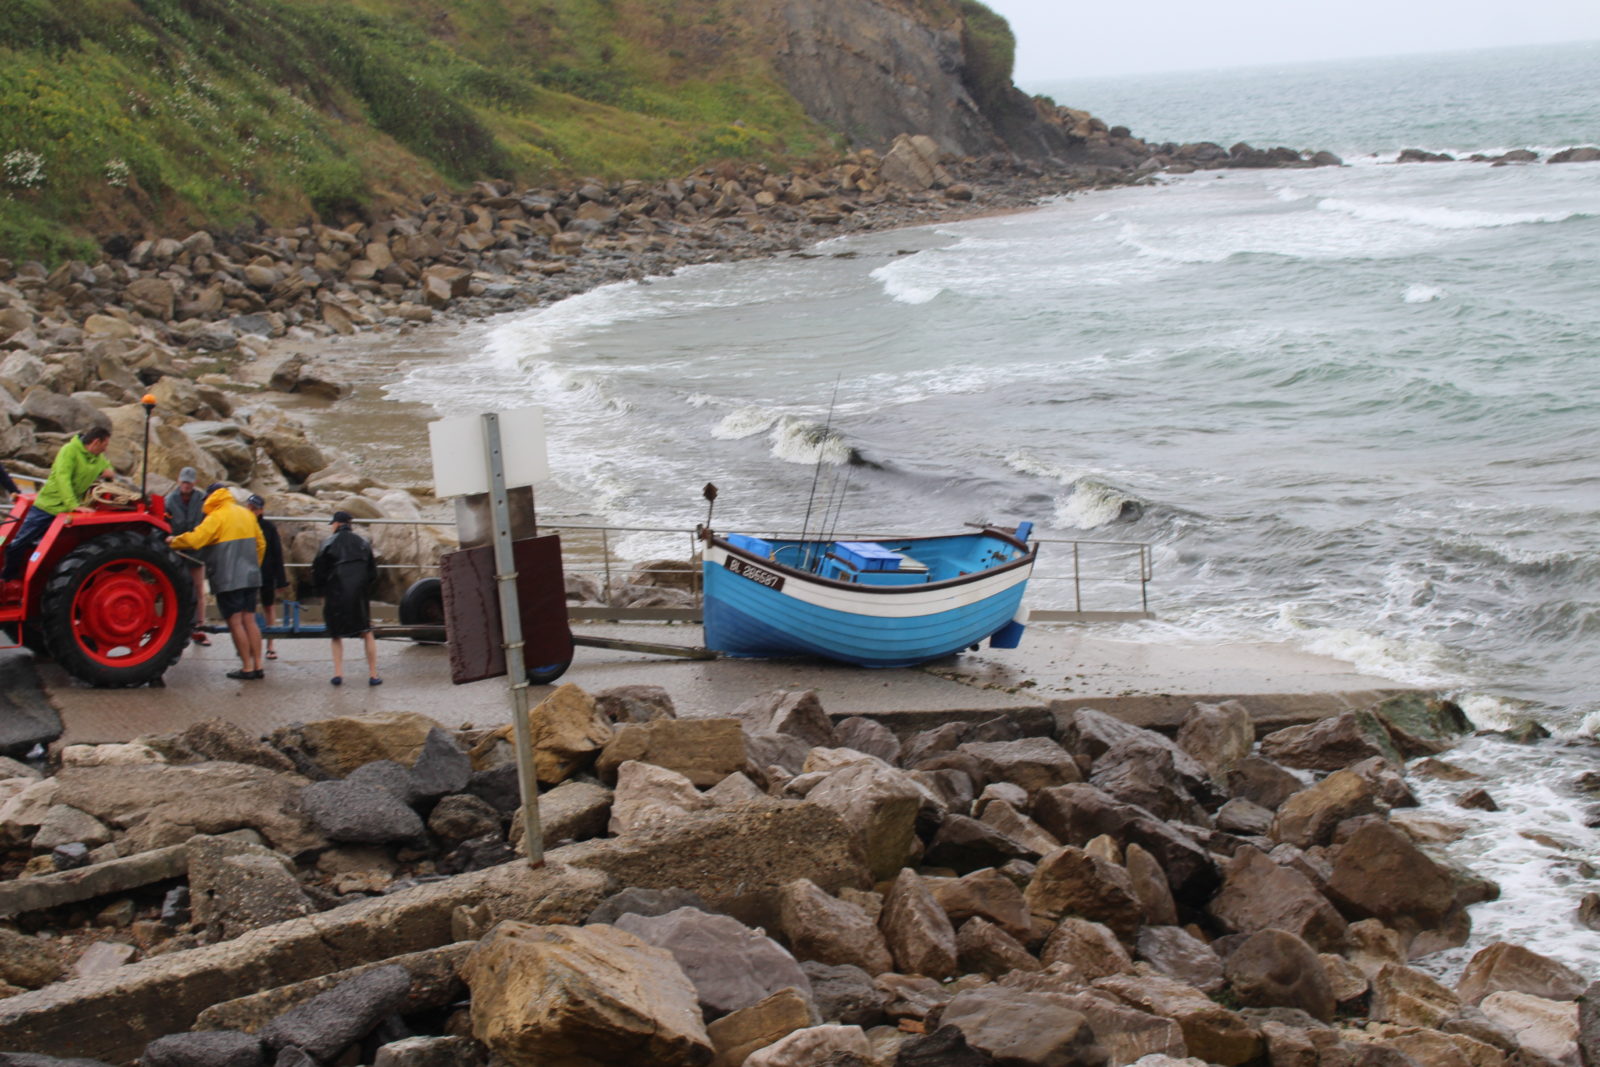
(750, 612)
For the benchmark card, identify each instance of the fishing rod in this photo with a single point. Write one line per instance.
(822, 451)
(838, 510)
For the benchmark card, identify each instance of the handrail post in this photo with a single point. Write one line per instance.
(1077, 580)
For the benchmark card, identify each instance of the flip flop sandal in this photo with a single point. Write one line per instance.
(272, 655)
(200, 639)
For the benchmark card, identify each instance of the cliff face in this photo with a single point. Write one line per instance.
(873, 69)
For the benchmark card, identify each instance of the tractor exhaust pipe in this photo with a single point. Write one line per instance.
(149, 402)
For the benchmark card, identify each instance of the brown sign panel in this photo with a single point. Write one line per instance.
(472, 608)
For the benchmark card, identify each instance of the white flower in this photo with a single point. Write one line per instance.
(117, 173)
(23, 168)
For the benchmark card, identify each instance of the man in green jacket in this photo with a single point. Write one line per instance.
(80, 461)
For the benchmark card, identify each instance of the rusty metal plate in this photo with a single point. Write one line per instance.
(472, 608)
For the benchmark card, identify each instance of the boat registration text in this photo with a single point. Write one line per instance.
(754, 573)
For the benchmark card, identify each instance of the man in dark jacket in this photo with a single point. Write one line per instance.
(185, 511)
(274, 576)
(346, 570)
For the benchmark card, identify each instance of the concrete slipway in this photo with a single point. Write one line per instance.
(1061, 667)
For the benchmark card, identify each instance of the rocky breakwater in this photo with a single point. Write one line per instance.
(767, 887)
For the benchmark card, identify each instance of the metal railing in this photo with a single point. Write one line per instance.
(1091, 570)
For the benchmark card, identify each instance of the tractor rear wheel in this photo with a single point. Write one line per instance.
(117, 610)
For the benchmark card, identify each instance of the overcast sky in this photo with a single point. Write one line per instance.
(1059, 39)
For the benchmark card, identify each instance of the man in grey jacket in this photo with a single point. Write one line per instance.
(185, 511)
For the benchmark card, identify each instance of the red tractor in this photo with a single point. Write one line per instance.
(102, 595)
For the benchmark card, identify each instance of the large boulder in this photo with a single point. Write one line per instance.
(1012, 1026)
(730, 965)
(984, 948)
(880, 804)
(1077, 814)
(738, 859)
(28, 962)
(1547, 1028)
(1210, 1031)
(1504, 966)
(844, 1046)
(1139, 771)
(568, 732)
(1331, 744)
(1379, 873)
(1089, 948)
(332, 748)
(1421, 725)
(159, 804)
(986, 894)
(793, 713)
(1033, 763)
(1309, 817)
(329, 1022)
(917, 930)
(1178, 954)
(648, 794)
(1127, 1034)
(739, 1034)
(1406, 997)
(704, 750)
(1072, 881)
(1275, 969)
(824, 929)
(361, 813)
(236, 886)
(583, 996)
(1258, 894)
(1218, 735)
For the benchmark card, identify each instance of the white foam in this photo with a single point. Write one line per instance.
(1438, 218)
(1534, 847)
(745, 422)
(1422, 294)
(796, 440)
(1089, 505)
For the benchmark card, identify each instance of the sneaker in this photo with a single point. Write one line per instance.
(374, 680)
(336, 680)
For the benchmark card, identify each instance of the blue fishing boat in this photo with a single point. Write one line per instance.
(875, 603)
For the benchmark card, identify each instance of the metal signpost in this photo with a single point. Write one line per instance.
(456, 473)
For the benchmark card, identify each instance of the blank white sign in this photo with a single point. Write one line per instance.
(461, 465)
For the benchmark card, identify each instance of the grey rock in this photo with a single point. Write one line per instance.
(731, 966)
(635, 703)
(498, 786)
(329, 1022)
(34, 1059)
(218, 739)
(360, 813)
(844, 993)
(26, 718)
(386, 774)
(64, 824)
(207, 1048)
(1178, 954)
(236, 886)
(431, 1052)
(443, 767)
(1019, 1027)
(648, 902)
(869, 736)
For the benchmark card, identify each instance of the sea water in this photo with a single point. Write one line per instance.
(1356, 408)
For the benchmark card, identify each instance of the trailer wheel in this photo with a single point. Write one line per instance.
(548, 673)
(422, 604)
(117, 610)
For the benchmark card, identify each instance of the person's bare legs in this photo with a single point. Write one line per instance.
(241, 639)
(338, 659)
(372, 653)
(199, 576)
(270, 612)
(253, 640)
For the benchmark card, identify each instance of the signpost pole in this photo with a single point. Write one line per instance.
(511, 627)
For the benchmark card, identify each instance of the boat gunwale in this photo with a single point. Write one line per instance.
(1031, 550)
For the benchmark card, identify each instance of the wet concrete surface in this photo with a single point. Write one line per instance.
(1151, 684)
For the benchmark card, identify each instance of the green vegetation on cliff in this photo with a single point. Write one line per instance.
(161, 114)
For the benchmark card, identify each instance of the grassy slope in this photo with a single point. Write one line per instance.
(157, 114)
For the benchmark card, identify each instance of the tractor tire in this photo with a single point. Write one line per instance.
(118, 610)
